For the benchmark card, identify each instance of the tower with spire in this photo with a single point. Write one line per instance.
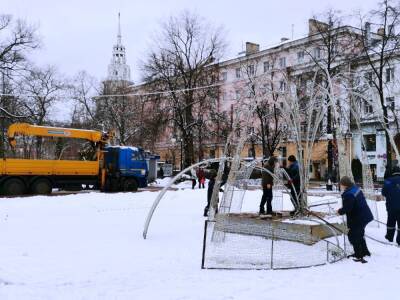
(118, 70)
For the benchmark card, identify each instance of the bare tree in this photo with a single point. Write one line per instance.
(39, 90)
(117, 110)
(16, 38)
(331, 48)
(303, 114)
(263, 83)
(181, 62)
(380, 51)
(83, 89)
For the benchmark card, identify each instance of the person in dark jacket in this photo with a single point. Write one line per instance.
(267, 183)
(358, 215)
(211, 184)
(391, 191)
(390, 167)
(294, 182)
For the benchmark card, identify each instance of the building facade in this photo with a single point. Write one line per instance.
(300, 58)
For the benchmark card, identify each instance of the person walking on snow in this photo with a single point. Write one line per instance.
(391, 191)
(294, 182)
(267, 183)
(358, 215)
(201, 176)
(193, 178)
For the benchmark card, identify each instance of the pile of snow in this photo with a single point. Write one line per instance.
(90, 246)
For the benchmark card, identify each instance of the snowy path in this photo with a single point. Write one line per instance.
(89, 246)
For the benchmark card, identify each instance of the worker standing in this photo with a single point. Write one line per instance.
(358, 215)
(267, 183)
(294, 182)
(193, 177)
(391, 191)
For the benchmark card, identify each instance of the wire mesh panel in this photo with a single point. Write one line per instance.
(236, 251)
(250, 251)
(288, 254)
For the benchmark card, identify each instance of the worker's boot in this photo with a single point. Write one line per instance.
(205, 212)
(365, 250)
(262, 211)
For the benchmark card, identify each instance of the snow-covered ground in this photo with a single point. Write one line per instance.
(90, 246)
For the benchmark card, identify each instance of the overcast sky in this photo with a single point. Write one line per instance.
(79, 34)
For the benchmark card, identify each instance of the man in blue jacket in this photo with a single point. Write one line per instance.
(358, 216)
(391, 191)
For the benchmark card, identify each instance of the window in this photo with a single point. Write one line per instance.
(389, 74)
(251, 152)
(224, 96)
(224, 76)
(283, 151)
(370, 142)
(212, 153)
(390, 103)
(237, 72)
(334, 49)
(303, 127)
(282, 86)
(369, 77)
(266, 66)
(368, 109)
(317, 53)
(250, 70)
(237, 95)
(237, 132)
(282, 62)
(300, 56)
(264, 89)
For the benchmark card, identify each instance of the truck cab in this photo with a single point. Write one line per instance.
(126, 168)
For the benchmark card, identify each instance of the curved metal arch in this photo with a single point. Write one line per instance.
(205, 162)
(165, 189)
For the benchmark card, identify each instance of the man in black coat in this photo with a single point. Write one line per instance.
(391, 191)
(294, 183)
(211, 184)
(358, 216)
(267, 183)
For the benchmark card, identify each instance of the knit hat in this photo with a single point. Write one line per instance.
(346, 181)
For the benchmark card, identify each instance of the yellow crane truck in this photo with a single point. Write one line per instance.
(113, 169)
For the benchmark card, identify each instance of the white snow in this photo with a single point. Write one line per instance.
(90, 246)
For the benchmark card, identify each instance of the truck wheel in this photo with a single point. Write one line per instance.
(41, 186)
(14, 187)
(130, 185)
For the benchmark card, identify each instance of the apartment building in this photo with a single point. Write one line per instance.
(299, 59)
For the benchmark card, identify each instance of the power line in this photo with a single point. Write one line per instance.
(128, 94)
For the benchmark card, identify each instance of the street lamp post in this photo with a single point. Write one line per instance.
(174, 140)
(181, 140)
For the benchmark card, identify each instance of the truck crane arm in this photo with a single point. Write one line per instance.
(45, 131)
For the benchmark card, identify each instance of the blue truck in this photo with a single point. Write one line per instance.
(126, 168)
